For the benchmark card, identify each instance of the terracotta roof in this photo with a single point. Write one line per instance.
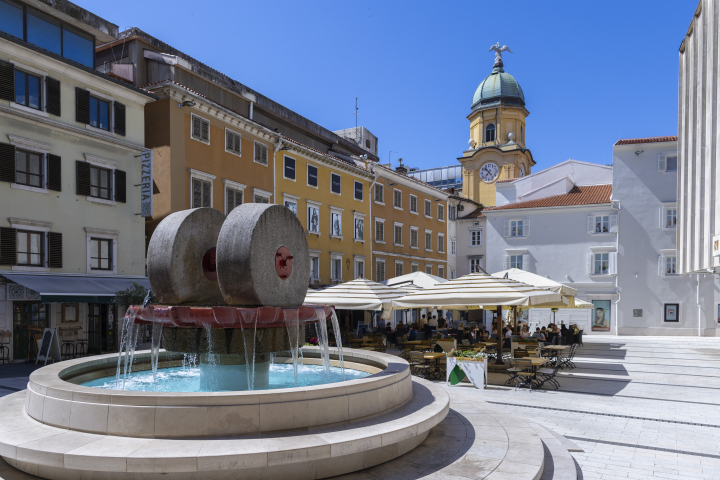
(477, 213)
(634, 141)
(504, 180)
(588, 195)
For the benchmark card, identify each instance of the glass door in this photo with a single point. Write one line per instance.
(29, 321)
(102, 327)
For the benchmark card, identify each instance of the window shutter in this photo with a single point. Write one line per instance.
(661, 265)
(54, 173)
(205, 128)
(230, 193)
(8, 246)
(526, 262)
(55, 250)
(506, 262)
(613, 262)
(613, 223)
(589, 263)
(206, 192)
(7, 81)
(591, 224)
(526, 227)
(662, 163)
(82, 105)
(119, 113)
(662, 217)
(53, 96)
(506, 228)
(7, 163)
(120, 186)
(82, 178)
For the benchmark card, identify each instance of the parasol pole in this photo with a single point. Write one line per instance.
(498, 359)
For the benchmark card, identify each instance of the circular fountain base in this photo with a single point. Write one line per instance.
(60, 430)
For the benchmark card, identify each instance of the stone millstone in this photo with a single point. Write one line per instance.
(249, 241)
(175, 257)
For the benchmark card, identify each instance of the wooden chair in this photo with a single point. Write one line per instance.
(5, 336)
(418, 366)
(525, 375)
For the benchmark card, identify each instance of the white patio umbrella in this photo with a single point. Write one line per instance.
(360, 294)
(417, 279)
(536, 281)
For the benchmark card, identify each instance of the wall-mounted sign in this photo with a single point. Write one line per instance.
(146, 184)
(716, 246)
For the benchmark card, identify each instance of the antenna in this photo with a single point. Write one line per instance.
(389, 161)
(357, 134)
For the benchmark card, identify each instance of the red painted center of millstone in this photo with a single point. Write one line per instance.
(209, 266)
(283, 262)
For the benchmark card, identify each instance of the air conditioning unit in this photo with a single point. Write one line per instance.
(476, 224)
(461, 207)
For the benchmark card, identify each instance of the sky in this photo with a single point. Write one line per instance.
(592, 72)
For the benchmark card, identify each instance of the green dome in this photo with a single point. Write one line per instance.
(498, 88)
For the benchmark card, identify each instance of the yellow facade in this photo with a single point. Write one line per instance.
(307, 181)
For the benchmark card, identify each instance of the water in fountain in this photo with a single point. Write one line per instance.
(127, 325)
(155, 347)
(249, 355)
(293, 329)
(211, 360)
(338, 340)
(322, 336)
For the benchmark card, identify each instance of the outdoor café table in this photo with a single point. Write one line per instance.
(555, 349)
(433, 356)
(475, 371)
(414, 342)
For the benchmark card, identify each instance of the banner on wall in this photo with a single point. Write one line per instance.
(601, 316)
(146, 184)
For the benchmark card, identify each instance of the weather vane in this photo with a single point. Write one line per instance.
(498, 53)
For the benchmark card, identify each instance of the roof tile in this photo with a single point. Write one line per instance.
(634, 141)
(587, 195)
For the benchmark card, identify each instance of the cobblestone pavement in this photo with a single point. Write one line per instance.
(640, 407)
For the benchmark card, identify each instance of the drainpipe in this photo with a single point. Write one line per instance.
(251, 110)
(371, 196)
(616, 207)
(699, 307)
(275, 150)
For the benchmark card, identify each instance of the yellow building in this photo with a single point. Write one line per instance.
(331, 199)
(497, 136)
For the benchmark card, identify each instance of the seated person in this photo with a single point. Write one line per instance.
(507, 340)
(413, 333)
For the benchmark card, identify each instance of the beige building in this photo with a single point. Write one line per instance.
(70, 231)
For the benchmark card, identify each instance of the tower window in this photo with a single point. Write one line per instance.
(490, 133)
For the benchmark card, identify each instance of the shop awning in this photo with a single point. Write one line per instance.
(74, 288)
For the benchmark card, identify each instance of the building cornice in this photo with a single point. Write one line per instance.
(560, 209)
(409, 182)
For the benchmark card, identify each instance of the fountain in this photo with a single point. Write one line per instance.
(234, 392)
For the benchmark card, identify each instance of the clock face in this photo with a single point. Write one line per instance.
(489, 172)
(522, 170)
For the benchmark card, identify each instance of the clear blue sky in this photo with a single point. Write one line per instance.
(592, 72)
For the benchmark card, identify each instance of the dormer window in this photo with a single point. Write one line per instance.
(490, 133)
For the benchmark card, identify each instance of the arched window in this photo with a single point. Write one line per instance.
(490, 133)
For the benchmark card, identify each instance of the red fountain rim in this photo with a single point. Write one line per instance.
(225, 317)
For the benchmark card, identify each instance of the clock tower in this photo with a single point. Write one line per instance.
(497, 134)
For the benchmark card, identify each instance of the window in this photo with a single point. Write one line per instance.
(475, 238)
(11, 18)
(289, 168)
(99, 113)
(379, 193)
(335, 183)
(101, 254)
(413, 203)
(314, 268)
(335, 224)
(261, 199)
(201, 193)
(453, 247)
(413, 237)
(428, 240)
(261, 154)
(312, 176)
(398, 235)
(232, 142)
(516, 261)
(441, 213)
(428, 269)
(28, 90)
(490, 133)
(441, 243)
(452, 274)
(667, 264)
(668, 216)
(602, 224)
(414, 267)
(671, 312)
(30, 248)
(359, 229)
(670, 265)
(441, 271)
(100, 182)
(359, 268)
(452, 212)
(336, 268)
(291, 202)
(261, 196)
(398, 268)
(671, 164)
(29, 168)
(200, 129)
(233, 199)
(667, 163)
(380, 270)
(358, 190)
(428, 208)
(516, 228)
(475, 265)
(397, 198)
(313, 219)
(380, 231)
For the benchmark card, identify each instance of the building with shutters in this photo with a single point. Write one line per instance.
(409, 225)
(70, 233)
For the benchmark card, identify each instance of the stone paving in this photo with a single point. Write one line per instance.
(640, 407)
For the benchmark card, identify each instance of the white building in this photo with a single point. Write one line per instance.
(653, 298)
(698, 130)
(70, 231)
(562, 224)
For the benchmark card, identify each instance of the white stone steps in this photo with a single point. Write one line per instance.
(559, 464)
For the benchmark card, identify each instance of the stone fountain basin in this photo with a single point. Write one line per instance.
(54, 398)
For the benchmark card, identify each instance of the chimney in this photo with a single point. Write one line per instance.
(401, 168)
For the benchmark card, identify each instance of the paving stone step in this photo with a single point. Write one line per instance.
(559, 464)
